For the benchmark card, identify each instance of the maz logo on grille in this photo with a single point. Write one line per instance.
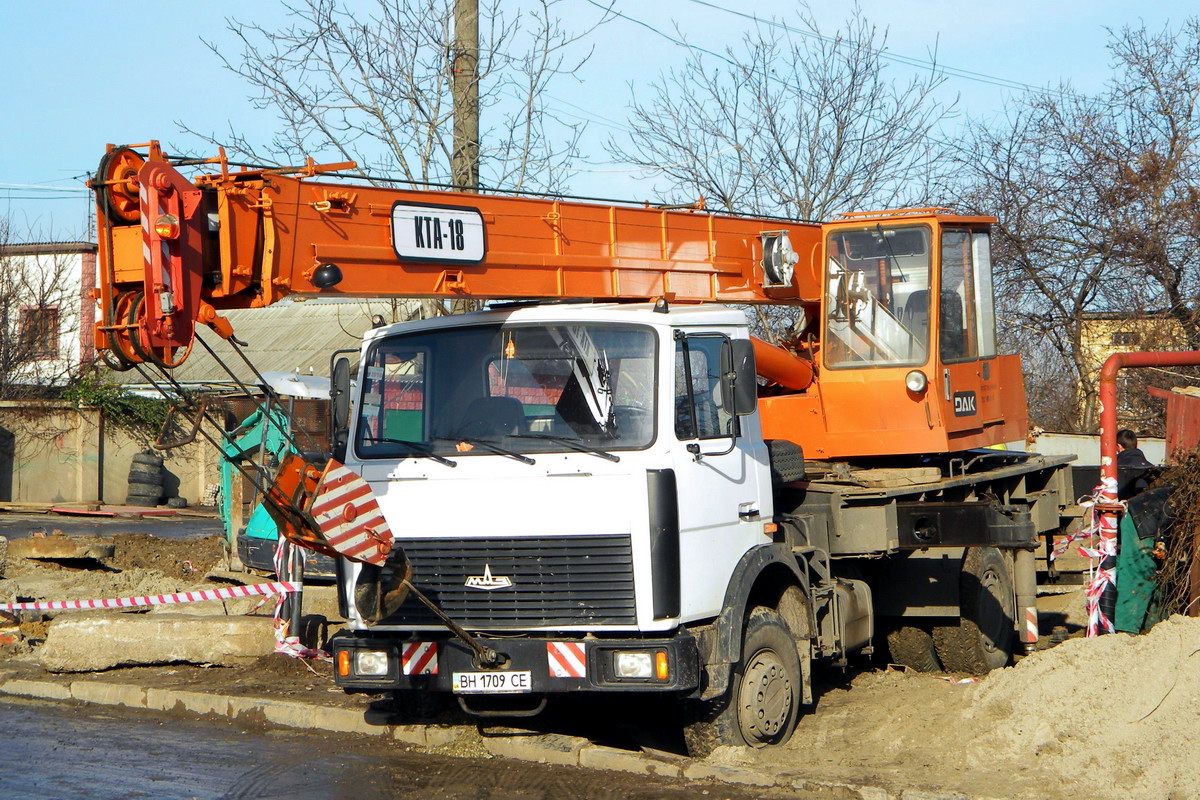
(487, 581)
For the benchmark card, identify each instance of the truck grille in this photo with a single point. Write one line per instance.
(566, 580)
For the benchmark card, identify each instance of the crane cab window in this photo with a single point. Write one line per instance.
(877, 296)
(966, 313)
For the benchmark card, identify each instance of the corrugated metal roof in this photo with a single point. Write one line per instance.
(46, 248)
(288, 337)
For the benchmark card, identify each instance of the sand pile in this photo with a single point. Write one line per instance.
(1116, 714)
(1111, 717)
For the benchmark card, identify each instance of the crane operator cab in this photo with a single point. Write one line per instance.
(908, 349)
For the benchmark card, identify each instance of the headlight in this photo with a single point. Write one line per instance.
(916, 381)
(633, 665)
(370, 662)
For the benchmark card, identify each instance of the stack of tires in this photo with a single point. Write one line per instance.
(145, 479)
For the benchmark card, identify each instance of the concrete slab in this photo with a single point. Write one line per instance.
(598, 757)
(43, 690)
(183, 700)
(109, 694)
(549, 748)
(700, 770)
(57, 547)
(90, 642)
(852, 791)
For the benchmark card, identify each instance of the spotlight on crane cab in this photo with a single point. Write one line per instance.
(327, 276)
(167, 226)
(916, 381)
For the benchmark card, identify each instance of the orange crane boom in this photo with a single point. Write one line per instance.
(174, 251)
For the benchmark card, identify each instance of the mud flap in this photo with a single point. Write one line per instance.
(805, 651)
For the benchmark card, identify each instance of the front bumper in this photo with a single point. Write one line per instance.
(555, 664)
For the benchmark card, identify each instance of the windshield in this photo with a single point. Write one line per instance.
(525, 388)
(877, 297)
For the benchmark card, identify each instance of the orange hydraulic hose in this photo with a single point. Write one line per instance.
(781, 366)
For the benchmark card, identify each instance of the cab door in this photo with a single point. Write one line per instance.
(717, 475)
(966, 332)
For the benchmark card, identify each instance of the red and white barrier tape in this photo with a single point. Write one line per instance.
(286, 640)
(1103, 532)
(228, 593)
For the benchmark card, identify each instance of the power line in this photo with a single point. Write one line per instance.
(800, 90)
(957, 72)
(41, 187)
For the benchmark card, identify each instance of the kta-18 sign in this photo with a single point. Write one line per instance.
(430, 233)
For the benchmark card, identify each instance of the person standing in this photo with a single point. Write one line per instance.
(1132, 466)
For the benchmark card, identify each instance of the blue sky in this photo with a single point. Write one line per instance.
(90, 72)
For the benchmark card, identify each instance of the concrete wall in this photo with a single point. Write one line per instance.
(52, 453)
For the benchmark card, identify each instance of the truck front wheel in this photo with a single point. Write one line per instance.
(983, 639)
(764, 697)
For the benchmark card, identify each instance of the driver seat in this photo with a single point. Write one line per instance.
(493, 416)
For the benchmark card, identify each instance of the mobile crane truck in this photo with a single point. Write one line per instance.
(603, 482)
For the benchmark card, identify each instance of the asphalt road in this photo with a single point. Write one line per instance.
(15, 525)
(57, 751)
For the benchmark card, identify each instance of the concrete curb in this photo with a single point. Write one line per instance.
(553, 749)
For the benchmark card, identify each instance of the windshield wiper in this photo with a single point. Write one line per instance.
(420, 449)
(487, 445)
(574, 444)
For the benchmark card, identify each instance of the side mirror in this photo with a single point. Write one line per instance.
(339, 407)
(739, 385)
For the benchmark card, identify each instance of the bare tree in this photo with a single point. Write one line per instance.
(41, 295)
(375, 87)
(790, 122)
(1099, 210)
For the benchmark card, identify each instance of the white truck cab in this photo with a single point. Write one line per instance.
(573, 473)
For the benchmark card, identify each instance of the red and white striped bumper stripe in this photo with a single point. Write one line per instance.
(566, 660)
(419, 658)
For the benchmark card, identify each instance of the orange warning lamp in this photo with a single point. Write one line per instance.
(167, 226)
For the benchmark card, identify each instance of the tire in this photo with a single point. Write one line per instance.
(177, 502)
(147, 460)
(913, 647)
(145, 489)
(787, 461)
(141, 476)
(764, 697)
(983, 640)
(141, 500)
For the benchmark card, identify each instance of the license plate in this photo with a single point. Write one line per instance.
(493, 682)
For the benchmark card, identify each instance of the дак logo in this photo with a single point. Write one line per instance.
(487, 581)
(964, 404)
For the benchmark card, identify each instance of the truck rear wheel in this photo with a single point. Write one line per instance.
(764, 697)
(983, 639)
(913, 647)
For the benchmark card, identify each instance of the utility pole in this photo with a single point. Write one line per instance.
(464, 67)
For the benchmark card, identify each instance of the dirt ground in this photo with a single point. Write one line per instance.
(1101, 718)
